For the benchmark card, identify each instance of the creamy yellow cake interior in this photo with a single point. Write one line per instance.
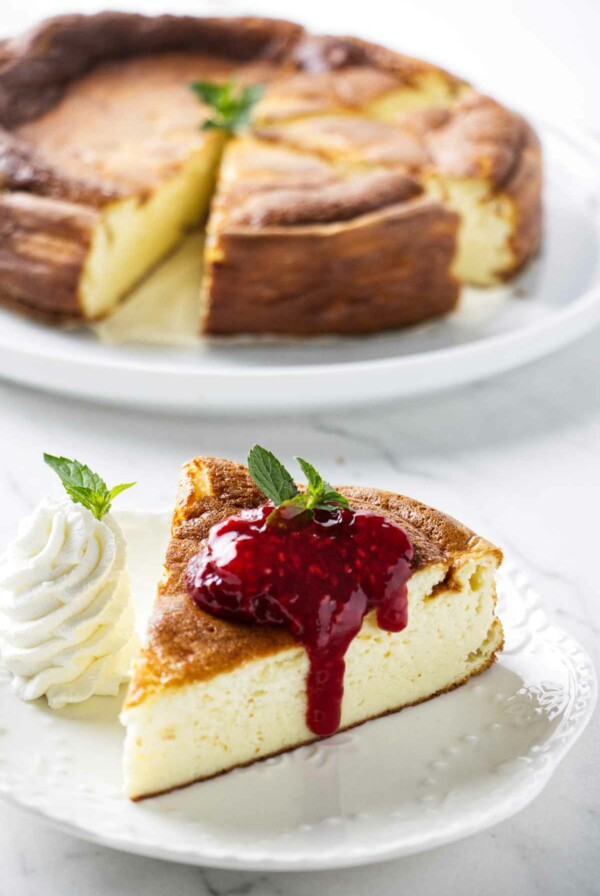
(198, 730)
(136, 233)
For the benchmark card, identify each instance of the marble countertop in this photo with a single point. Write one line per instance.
(517, 458)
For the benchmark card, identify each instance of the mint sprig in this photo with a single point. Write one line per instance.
(84, 486)
(274, 481)
(232, 105)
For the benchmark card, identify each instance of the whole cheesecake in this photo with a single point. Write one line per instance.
(209, 694)
(368, 187)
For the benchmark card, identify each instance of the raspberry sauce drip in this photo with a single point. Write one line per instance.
(316, 574)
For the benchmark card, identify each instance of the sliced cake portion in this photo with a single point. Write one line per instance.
(209, 694)
(297, 245)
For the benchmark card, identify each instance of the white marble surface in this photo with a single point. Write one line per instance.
(517, 458)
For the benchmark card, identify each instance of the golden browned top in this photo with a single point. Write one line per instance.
(131, 123)
(96, 107)
(334, 167)
(307, 93)
(38, 66)
(351, 139)
(348, 74)
(269, 184)
(474, 137)
(185, 644)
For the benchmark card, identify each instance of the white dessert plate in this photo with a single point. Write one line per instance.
(429, 775)
(555, 301)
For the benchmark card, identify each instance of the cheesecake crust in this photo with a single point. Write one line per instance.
(43, 246)
(186, 645)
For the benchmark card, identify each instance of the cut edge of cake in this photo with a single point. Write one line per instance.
(135, 234)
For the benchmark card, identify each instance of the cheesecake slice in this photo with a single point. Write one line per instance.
(298, 245)
(209, 695)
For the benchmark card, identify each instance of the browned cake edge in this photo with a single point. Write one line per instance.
(478, 137)
(186, 645)
(331, 203)
(318, 53)
(37, 67)
(43, 246)
(392, 267)
(525, 191)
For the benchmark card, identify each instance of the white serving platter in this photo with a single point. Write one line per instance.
(555, 301)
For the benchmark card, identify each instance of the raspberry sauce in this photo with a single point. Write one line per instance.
(316, 574)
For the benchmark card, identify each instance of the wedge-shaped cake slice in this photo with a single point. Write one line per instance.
(208, 695)
(297, 245)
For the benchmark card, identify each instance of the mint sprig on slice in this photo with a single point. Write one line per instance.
(231, 104)
(274, 481)
(84, 486)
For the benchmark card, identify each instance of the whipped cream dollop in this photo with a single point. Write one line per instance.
(66, 616)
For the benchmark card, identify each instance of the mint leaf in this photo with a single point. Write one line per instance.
(209, 92)
(330, 498)
(74, 473)
(84, 486)
(117, 489)
(274, 481)
(320, 493)
(315, 480)
(231, 105)
(270, 476)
